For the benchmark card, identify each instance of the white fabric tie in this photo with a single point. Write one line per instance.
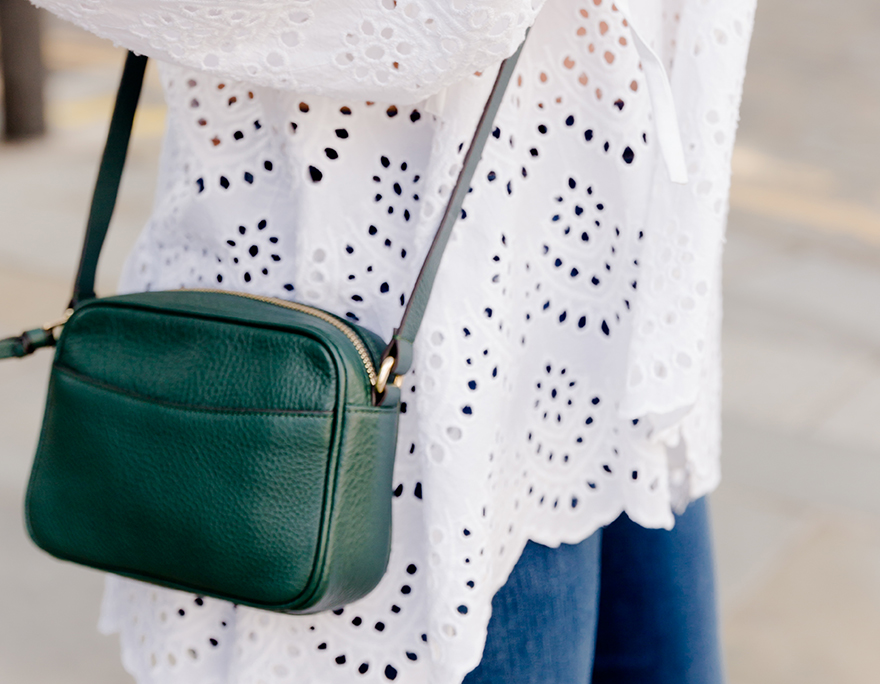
(665, 117)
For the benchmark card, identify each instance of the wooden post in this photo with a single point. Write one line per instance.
(23, 71)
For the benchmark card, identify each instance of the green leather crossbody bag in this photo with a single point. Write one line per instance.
(224, 444)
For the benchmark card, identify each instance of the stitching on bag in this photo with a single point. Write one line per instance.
(369, 410)
(74, 375)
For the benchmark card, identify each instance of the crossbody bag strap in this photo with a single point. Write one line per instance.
(100, 213)
(398, 356)
(109, 176)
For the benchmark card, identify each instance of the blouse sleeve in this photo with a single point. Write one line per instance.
(388, 50)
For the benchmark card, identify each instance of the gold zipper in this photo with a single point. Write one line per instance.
(353, 337)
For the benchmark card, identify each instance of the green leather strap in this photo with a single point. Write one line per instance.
(401, 345)
(103, 202)
(109, 176)
(26, 343)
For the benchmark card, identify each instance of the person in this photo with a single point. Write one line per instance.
(565, 387)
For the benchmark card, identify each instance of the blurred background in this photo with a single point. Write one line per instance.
(797, 516)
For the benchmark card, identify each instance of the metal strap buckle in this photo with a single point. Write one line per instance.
(50, 327)
(384, 375)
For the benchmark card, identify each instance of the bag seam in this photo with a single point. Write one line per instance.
(290, 413)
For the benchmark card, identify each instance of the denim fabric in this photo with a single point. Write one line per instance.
(638, 602)
(657, 612)
(543, 624)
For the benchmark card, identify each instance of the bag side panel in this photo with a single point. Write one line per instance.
(360, 532)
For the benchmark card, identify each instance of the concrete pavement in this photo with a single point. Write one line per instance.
(798, 512)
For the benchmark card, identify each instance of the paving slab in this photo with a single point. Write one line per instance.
(752, 529)
(854, 421)
(817, 619)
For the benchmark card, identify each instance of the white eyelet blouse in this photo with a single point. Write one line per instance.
(568, 365)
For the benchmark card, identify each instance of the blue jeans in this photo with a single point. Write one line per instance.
(628, 605)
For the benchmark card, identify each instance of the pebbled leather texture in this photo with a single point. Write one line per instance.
(216, 444)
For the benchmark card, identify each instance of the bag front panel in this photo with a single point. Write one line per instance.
(226, 503)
